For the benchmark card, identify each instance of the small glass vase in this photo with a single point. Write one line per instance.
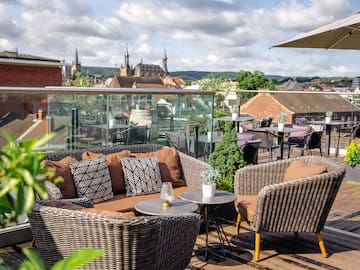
(167, 194)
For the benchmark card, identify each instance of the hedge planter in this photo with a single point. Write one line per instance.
(352, 173)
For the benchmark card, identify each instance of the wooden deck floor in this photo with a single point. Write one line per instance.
(290, 251)
(280, 250)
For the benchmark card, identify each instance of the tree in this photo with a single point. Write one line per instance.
(227, 157)
(252, 81)
(80, 80)
(221, 86)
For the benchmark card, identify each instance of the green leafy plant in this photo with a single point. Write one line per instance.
(227, 156)
(74, 261)
(352, 156)
(21, 179)
(210, 176)
(226, 183)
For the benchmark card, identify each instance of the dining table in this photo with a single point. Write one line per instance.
(239, 119)
(280, 135)
(328, 128)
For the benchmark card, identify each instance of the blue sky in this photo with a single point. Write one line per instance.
(207, 35)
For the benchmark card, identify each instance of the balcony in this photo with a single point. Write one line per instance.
(84, 118)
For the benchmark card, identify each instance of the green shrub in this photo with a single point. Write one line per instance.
(352, 156)
(227, 156)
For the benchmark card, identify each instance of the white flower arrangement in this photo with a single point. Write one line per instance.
(329, 114)
(210, 176)
(282, 117)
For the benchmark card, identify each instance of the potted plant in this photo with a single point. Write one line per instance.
(234, 112)
(111, 119)
(328, 116)
(352, 159)
(281, 123)
(21, 179)
(210, 178)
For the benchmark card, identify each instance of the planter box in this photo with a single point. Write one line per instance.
(352, 173)
(15, 235)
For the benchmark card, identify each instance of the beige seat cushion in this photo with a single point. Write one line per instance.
(246, 205)
(62, 169)
(299, 169)
(122, 203)
(115, 168)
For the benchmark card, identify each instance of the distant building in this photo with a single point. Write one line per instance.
(293, 85)
(145, 75)
(311, 106)
(17, 112)
(143, 70)
(355, 83)
(28, 70)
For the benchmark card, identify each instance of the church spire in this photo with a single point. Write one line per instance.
(164, 59)
(76, 65)
(127, 65)
(76, 58)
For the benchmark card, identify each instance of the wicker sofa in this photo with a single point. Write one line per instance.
(190, 172)
(138, 242)
(272, 204)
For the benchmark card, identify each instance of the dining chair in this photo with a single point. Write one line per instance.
(177, 140)
(312, 141)
(297, 138)
(266, 122)
(250, 150)
(132, 135)
(267, 141)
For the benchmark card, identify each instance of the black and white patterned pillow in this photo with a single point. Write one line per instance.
(142, 175)
(92, 179)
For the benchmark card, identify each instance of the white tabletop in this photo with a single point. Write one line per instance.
(154, 207)
(195, 196)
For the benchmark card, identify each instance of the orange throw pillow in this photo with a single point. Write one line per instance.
(169, 165)
(299, 169)
(115, 168)
(62, 169)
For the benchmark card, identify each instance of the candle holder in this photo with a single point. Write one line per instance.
(167, 194)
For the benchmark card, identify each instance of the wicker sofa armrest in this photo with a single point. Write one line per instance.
(191, 169)
(83, 201)
(130, 243)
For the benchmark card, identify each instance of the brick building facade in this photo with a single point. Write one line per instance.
(29, 71)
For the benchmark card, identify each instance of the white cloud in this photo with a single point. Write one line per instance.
(202, 34)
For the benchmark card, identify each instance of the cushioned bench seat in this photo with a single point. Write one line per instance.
(123, 203)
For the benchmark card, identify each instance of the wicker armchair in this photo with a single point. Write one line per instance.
(130, 243)
(295, 206)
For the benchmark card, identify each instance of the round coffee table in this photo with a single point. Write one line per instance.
(221, 197)
(154, 207)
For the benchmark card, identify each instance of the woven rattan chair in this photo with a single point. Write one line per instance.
(295, 206)
(130, 243)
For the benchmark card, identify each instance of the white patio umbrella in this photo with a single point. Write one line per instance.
(341, 34)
